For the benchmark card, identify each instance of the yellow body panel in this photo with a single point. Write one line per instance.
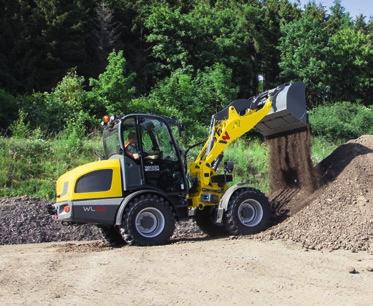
(225, 132)
(72, 176)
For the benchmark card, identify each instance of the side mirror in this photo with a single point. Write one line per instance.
(228, 166)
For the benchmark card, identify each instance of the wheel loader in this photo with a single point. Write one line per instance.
(145, 183)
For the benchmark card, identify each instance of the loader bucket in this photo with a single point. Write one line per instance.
(288, 112)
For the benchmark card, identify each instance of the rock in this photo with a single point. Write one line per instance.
(352, 270)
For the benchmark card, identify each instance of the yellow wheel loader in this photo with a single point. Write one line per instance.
(146, 184)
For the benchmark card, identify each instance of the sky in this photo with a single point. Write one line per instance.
(354, 7)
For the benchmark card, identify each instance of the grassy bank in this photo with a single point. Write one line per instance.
(31, 166)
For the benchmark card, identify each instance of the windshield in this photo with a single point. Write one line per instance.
(111, 141)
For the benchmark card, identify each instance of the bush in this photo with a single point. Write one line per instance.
(8, 109)
(113, 89)
(341, 120)
(20, 128)
(250, 159)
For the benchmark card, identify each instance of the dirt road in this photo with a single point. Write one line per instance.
(220, 271)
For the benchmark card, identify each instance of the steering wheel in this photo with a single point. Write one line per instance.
(153, 155)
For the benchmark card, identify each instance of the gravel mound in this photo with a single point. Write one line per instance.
(25, 220)
(339, 215)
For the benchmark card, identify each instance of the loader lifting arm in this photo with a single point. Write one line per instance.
(235, 123)
(278, 110)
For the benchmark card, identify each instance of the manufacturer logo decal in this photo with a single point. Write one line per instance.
(98, 208)
(88, 209)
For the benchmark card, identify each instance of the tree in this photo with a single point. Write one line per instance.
(21, 47)
(215, 89)
(129, 19)
(69, 39)
(204, 34)
(108, 32)
(350, 55)
(360, 24)
(304, 50)
(190, 99)
(274, 13)
(114, 87)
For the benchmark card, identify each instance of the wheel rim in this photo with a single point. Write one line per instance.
(149, 222)
(250, 213)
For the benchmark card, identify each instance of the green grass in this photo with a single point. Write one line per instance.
(31, 166)
(250, 162)
(321, 148)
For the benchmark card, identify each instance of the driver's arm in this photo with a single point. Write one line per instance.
(135, 156)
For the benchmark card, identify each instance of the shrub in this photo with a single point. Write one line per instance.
(8, 109)
(19, 128)
(114, 87)
(51, 111)
(250, 162)
(341, 120)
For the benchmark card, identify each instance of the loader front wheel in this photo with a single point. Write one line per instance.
(205, 220)
(248, 212)
(148, 220)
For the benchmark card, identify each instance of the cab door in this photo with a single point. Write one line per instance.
(161, 160)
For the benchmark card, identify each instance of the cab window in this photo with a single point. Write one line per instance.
(111, 141)
(156, 139)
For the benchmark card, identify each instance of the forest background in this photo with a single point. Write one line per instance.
(65, 64)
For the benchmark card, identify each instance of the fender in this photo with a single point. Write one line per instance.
(223, 204)
(127, 199)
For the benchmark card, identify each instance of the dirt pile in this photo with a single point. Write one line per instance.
(25, 220)
(339, 215)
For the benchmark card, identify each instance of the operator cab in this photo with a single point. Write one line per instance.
(149, 155)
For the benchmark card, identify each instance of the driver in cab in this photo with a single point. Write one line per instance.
(130, 146)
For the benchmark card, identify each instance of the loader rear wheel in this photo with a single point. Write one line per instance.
(112, 235)
(205, 220)
(248, 212)
(148, 220)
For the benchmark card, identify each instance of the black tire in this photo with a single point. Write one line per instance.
(205, 221)
(112, 236)
(248, 212)
(149, 210)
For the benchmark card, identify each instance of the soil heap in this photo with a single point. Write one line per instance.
(339, 215)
